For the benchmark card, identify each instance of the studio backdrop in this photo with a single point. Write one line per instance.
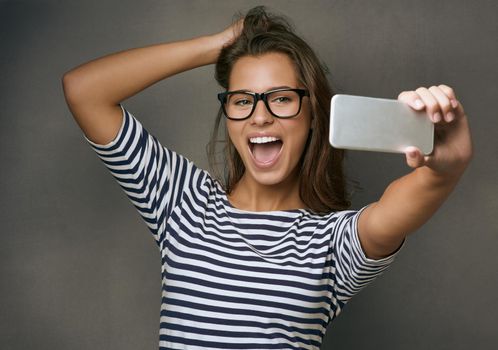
(80, 269)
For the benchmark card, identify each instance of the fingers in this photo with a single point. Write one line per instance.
(439, 101)
(411, 98)
(448, 91)
(451, 94)
(431, 104)
(443, 108)
(231, 33)
(238, 27)
(415, 158)
(444, 103)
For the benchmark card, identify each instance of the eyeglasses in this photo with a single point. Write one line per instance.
(281, 103)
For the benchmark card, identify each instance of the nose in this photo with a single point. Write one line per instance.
(261, 114)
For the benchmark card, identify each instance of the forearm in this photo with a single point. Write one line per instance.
(411, 201)
(118, 76)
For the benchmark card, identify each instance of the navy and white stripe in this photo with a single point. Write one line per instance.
(235, 279)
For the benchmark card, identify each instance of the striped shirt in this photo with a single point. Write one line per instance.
(231, 278)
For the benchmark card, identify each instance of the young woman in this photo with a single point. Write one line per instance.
(268, 256)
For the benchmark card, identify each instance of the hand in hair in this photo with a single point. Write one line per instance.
(232, 32)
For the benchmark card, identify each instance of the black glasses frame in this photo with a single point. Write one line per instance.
(222, 97)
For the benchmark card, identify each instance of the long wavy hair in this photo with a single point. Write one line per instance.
(322, 181)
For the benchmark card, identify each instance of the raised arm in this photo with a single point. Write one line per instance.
(94, 90)
(410, 201)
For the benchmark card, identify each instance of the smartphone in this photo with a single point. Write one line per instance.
(378, 124)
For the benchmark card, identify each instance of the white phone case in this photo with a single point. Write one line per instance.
(378, 124)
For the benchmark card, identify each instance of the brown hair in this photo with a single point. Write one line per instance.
(322, 182)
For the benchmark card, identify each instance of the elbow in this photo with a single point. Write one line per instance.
(71, 87)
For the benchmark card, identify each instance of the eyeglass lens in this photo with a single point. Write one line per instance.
(281, 103)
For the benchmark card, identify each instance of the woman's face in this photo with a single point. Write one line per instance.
(273, 162)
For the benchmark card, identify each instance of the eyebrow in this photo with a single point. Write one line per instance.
(280, 87)
(270, 89)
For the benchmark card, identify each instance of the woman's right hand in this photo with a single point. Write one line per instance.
(232, 32)
(93, 90)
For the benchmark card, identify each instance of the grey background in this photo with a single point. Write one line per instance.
(79, 268)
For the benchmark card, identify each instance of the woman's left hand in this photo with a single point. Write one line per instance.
(452, 141)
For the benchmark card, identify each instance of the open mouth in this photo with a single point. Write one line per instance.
(265, 150)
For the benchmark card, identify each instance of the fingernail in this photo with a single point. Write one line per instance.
(454, 103)
(450, 116)
(419, 103)
(437, 117)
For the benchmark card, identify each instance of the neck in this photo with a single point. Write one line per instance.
(253, 196)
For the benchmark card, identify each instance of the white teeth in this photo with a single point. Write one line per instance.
(263, 139)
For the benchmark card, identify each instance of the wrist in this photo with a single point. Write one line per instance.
(213, 45)
(436, 178)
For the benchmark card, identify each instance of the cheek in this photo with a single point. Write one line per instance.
(230, 130)
(302, 139)
(297, 143)
(234, 133)
(300, 131)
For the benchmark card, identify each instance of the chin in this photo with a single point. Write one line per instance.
(269, 177)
